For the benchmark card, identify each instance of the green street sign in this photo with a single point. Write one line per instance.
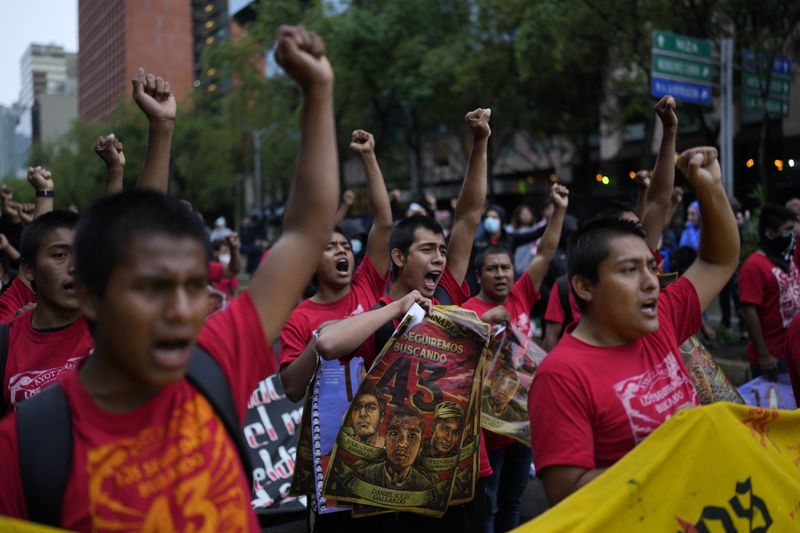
(775, 106)
(681, 44)
(671, 66)
(751, 82)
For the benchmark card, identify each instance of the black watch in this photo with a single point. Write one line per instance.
(47, 193)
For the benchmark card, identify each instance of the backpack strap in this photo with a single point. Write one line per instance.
(383, 333)
(207, 376)
(563, 295)
(44, 436)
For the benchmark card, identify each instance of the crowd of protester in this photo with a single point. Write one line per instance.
(119, 325)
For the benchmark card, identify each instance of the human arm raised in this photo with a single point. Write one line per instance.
(659, 192)
(235, 265)
(718, 254)
(345, 336)
(8, 249)
(470, 201)
(348, 197)
(41, 180)
(154, 97)
(110, 150)
(537, 269)
(363, 144)
(308, 219)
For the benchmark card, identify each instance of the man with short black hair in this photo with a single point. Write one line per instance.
(149, 449)
(618, 374)
(769, 290)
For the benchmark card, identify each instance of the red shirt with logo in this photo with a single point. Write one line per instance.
(166, 465)
(522, 297)
(36, 358)
(366, 287)
(16, 296)
(590, 405)
(776, 294)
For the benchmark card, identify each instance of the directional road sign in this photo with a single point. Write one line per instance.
(683, 91)
(775, 106)
(681, 67)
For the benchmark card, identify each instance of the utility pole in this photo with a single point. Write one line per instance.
(726, 125)
(257, 143)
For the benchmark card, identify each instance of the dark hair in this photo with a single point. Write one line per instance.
(499, 210)
(614, 209)
(588, 247)
(104, 234)
(681, 259)
(773, 217)
(369, 388)
(490, 250)
(404, 410)
(518, 214)
(35, 233)
(402, 236)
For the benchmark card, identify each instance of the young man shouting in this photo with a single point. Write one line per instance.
(618, 374)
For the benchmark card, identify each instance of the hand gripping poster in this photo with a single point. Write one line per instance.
(424, 382)
(504, 396)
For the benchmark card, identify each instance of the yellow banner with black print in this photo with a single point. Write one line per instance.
(721, 467)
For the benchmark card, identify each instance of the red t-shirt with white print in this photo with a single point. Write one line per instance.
(366, 287)
(168, 464)
(590, 405)
(776, 294)
(36, 358)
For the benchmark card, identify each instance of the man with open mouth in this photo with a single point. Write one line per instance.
(425, 270)
(617, 374)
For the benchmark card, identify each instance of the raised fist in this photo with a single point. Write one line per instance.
(560, 196)
(677, 196)
(642, 179)
(109, 149)
(665, 109)
(233, 241)
(363, 142)
(40, 178)
(478, 122)
(348, 197)
(301, 54)
(700, 166)
(154, 96)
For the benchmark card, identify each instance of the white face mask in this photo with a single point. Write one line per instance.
(356, 246)
(492, 225)
(225, 259)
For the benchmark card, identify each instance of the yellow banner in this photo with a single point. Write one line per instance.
(721, 467)
(19, 526)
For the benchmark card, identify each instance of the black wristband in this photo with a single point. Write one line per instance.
(48, 193)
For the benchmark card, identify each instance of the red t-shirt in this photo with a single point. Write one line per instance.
(16, 296)
(366, 287)
(590, 405)
(37, 358)
(793, 355)
(555, 311)
(777, 296)
(167, 464)
(523, 296)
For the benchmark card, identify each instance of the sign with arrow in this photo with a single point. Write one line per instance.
(681, 67)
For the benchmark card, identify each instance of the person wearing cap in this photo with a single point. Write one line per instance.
(448, 423)
(220, 231)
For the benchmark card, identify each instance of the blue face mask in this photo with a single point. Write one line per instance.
(491, 225)
(356, 246)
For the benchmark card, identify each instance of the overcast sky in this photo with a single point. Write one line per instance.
(32, 21)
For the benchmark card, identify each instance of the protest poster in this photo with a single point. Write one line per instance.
(270, 430)
(329, 394)
(504, 396)
(426, 375)
(719, 467)
(706, 375)
(760, 392)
